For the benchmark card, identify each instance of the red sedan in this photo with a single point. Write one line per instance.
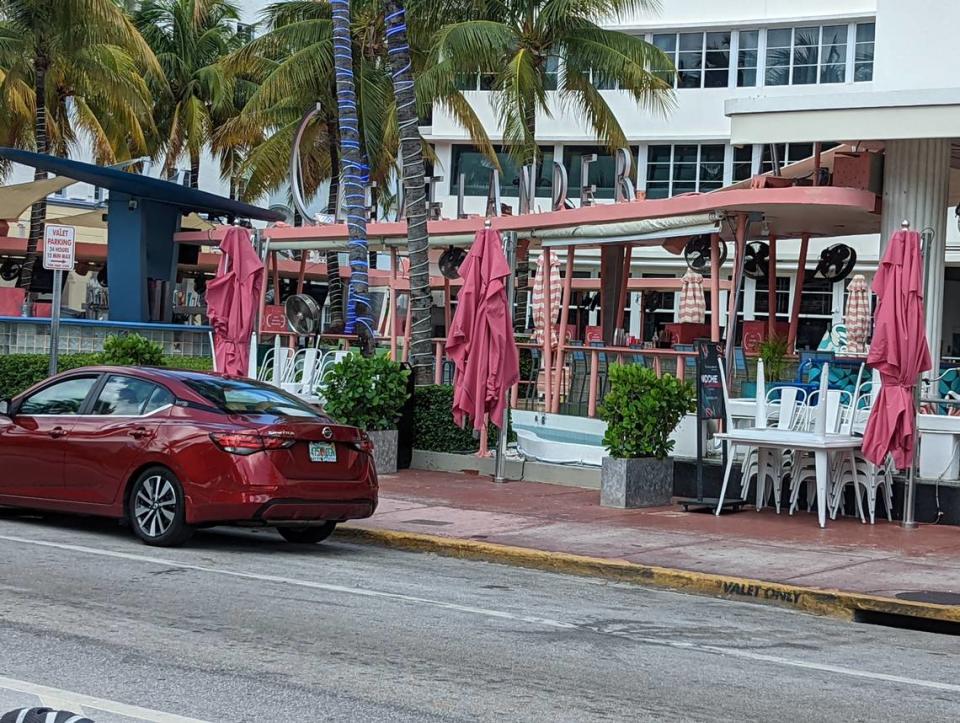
(170, 451)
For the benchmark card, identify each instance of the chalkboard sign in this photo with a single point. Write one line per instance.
(709, 389)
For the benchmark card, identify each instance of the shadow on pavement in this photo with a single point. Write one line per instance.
(220, 539)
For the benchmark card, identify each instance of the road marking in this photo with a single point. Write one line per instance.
(70, 700)
(499, 614)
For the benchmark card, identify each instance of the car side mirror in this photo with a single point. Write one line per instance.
(4, 408)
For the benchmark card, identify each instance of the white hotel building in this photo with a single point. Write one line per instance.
(726, 51)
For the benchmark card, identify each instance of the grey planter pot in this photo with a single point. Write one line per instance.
(385, 450)
(630, 483)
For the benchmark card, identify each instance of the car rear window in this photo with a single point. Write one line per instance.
(246, 397)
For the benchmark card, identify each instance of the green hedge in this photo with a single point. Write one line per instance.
(20, 371)
(433, 427)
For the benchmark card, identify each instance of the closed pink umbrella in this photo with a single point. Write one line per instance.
(857, 318)
(898, 351)
(539, 301)
(480, 342)
(693, 306)
(232, 299)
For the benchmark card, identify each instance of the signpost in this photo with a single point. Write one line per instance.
(59, 254)
(710, 407)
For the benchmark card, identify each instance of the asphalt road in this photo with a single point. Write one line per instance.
(240, 626)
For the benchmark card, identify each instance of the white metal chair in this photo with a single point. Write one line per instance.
(828, 411)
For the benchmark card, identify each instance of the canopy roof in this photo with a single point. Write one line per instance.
(145, 187)
(789, 213)
(16, 199)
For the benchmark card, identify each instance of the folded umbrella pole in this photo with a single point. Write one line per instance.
(480, 342)
(232, 298)
(900, 353)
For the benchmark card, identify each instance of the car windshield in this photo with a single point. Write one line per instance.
(246, 397)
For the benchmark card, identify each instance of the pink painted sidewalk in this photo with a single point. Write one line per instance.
(883, 560)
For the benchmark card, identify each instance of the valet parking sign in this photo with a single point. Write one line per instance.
(59, 247)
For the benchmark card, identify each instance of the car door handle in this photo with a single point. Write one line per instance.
(138, 433)
(57, 432)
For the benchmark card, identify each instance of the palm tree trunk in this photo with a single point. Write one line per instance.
(421, 300)
(334, 282)
(194, 169)
(39, 210)
(523, 254)
(355, 180)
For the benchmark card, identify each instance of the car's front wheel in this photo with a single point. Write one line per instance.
(157, 509)
(307, 535)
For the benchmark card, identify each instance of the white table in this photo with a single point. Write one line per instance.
(772, 438)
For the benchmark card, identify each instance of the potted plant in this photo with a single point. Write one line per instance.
(773, 352)
(369, 393)
(641, 412)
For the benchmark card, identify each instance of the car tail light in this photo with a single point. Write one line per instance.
(364, 444)
(244, 443)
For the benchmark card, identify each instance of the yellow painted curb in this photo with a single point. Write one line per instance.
(832, 603)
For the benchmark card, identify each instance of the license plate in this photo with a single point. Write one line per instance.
(323, 452)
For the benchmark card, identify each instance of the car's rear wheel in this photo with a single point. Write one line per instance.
(157, 509)
(307, 535)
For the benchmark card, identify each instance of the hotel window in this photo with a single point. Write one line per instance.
(475, 81)
(806, 56)
(702, 60)
(244, 32)
(602, 171)
(742, 163)
(788, 153)
(551, 73)
(471, 162)
(747, 58)
(863, 57)
(760, 306)
(676, 169)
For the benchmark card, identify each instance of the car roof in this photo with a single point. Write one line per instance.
(155, 373)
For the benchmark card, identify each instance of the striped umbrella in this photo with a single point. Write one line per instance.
(693, 307)
(857, 318)
(539, 307)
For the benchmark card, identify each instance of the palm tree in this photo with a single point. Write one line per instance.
(531, 48)
(293, 66)
(84, 51)
(355, 177)
(415, 196)
(190, 38)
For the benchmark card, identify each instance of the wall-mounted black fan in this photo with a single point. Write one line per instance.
(836, 262)
(697, 254)
(9, 270)
(450, 261)
(200, 284)
(102, 276)
(303, 313)
(756, 260)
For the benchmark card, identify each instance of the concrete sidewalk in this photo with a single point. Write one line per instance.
(845, 568)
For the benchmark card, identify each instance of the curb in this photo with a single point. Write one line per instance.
(817, 601)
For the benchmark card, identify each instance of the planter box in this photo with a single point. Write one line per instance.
(755, 333)
(630, 483)
(385, 451)
(686, 333)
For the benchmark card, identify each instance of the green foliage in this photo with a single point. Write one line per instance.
(131, 350)
(641, 411)
(434, 429)
(21, 371)
(190, 363)
(773, 352)
(366, 392)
